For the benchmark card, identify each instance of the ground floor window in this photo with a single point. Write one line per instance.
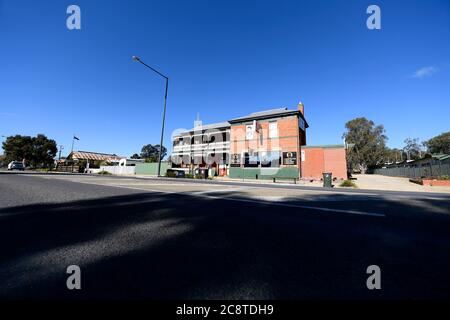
(251, 159)
(270, 159)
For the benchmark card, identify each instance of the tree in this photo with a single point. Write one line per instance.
(18, 148)
(2, 160)
(135, 156)
(369, 143)
(439, 144)
(38, 151)
(150, 153)
(412, 149)
(43, 151)
(394, 155)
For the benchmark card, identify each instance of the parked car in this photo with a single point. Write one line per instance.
(16, 165)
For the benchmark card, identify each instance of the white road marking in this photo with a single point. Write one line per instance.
(291, 205)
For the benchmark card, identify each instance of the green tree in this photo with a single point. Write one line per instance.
(369, 143)
(3, 162)
(135, 156)
(43, 151)
(439, 144)
(394, 155)
(412, 149)
(150, 152)
(37, 151)
(18, 148)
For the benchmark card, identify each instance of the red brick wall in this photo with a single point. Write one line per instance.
(288, 139)
(314, 163)
(319, 160)
(335, 162)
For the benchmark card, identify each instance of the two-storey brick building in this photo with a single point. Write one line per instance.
(266, 144)
(261, 145)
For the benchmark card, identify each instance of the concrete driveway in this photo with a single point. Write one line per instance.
(379, 182)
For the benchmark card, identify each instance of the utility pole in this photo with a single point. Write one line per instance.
(61, 148)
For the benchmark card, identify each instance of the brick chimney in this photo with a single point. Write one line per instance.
(301, 108)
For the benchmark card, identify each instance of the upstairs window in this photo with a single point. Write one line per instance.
(273, 129)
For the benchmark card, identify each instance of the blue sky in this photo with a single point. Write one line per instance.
(224, 59)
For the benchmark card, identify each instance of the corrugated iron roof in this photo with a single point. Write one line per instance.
(96, 156)
(218, 125)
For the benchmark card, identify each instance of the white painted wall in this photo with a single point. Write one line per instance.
(126, 170)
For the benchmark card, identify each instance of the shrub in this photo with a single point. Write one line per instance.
(189, 176)
(444, 177)
(171, 174)
(198, 176)
(348, 184)
(104, 172)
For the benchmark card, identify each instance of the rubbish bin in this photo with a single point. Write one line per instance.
(327, 178)
(180, 174)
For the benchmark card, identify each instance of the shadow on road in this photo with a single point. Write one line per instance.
(153, 245)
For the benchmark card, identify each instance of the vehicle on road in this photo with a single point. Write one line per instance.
(16, 165)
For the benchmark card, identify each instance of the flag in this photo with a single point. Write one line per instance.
(76, 138)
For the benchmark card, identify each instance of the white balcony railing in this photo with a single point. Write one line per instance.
(202, 146)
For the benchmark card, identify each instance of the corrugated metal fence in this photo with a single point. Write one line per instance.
(431, 169)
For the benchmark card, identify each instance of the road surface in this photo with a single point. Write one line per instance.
(170, 238)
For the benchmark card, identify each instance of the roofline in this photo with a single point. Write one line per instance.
(105, 154)
(325, 146)
(202, 129)
(260, 117)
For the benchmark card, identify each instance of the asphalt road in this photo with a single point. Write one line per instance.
(159, 239)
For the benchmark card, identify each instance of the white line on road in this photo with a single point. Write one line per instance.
(281, 204)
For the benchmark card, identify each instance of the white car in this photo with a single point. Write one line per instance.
(16, 165)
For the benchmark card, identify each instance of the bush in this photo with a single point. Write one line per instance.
(104, 172)
(348, 184)
(171, 174)
(444, 177)
(189, 176)
(198, 176)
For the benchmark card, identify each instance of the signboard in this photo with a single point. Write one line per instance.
(290, 158)
(301, 123)
(235, 160)
(249, 132)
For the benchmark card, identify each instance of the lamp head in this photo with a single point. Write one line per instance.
(135, 58)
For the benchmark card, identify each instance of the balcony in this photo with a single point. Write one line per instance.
(202, 147)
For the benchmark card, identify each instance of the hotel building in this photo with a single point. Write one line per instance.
(261, 145)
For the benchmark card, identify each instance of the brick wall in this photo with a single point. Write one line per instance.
(288, 139)
(324, 159)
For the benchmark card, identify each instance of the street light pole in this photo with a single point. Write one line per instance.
(137, 59)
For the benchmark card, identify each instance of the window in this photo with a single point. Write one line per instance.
(249, 132)
(251, 159)
(273, 129)
(270, 159)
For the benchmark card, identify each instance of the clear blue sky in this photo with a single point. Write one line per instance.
(225, 59)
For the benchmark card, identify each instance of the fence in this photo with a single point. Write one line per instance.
(151, 168)
(416, 171)
(127, 170)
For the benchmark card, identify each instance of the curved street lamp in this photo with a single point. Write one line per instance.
(137, 59)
